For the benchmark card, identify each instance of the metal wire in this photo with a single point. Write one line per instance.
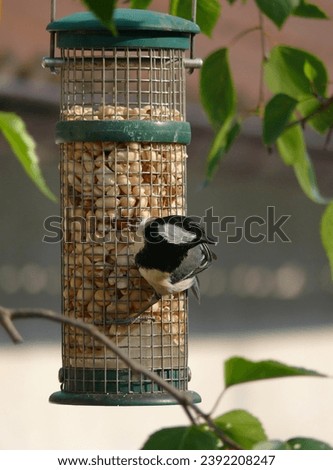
(52, 38)
(194, 18)
(109, 81)
(106, 188)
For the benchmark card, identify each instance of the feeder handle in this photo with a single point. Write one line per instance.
(53, 9)
(193, 63)
(51, 61)
(52, 35)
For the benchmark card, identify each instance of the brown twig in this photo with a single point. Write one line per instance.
(242, 34)
(217, 401)
(261, 100)
(328, 138)
(192, 411)
(8, 325)
(326, 104)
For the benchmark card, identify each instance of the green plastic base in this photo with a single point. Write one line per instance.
(120, 382)
(110, 399)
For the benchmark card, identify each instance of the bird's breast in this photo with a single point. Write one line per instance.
(161, 283)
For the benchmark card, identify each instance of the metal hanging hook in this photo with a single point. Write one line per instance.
(52, 35)
(52, 62)
(193, 62)
(53, 9)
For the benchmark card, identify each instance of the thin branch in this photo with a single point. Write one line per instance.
(302, 121)
(25, 313)
(242, 34)
(261, 100)
(328, 138)
(8, 315)
(6, 322)
(217, 402)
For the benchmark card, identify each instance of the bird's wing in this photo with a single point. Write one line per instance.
(197, 260)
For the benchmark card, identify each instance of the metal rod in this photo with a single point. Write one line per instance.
(194, 17)
(52, 18)
(52, 62)
(53, 9)
(193, 63)
(194, 10)
(52, 38)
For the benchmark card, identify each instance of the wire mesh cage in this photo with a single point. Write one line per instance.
(122, 135)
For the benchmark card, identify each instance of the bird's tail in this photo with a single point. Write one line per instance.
(196, 289)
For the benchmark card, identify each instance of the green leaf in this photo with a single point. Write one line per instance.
(284, 73)
(276, 116)
(23, 146)
(239, 370)
(217, 90)
(103, 9)
(309, 71)
(309, 10)
(220, 146)
(292, 149)
(140, 4)
(242, 427)
(307, 443)
(322, 119)
(296, 443)
(182, 438)
(277, 10)
(302, 76)
(326, 232)
(271, 445)
(208, 12)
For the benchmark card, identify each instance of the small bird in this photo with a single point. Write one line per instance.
(173, 250)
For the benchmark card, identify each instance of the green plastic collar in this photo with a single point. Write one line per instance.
(136, 28)
(123, 131)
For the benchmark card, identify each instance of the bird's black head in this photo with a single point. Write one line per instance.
(176, 230)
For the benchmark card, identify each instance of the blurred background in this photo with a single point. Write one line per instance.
(264, 301)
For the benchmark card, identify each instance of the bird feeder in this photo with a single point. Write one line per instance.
(122, 134)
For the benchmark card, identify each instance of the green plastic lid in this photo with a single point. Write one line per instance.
(136, 28)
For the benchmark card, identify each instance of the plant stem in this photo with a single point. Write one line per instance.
(242, 34)
(217, 402)
(326, 104)
(261, 99)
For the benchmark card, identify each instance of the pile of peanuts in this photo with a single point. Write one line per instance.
(119, 113)
(107, 188)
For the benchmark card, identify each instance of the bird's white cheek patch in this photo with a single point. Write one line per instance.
(176, 235)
